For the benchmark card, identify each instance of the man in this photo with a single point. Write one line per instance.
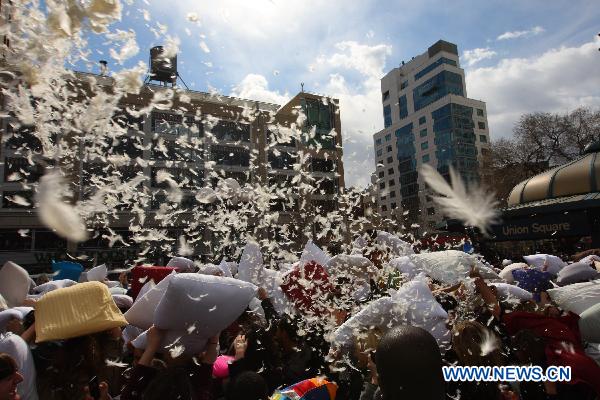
(9, 378)
(409, 366)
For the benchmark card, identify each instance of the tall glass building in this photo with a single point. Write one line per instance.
(428, 118)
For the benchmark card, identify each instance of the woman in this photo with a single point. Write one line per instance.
(9, 378)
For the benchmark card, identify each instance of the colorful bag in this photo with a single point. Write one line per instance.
(310, 389)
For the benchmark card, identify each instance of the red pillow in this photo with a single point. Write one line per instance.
(142, 274)
(308, 287)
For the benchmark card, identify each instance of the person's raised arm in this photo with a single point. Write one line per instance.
(154, 338)
(486, 293)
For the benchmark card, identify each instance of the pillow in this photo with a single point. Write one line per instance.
(397, 246)
(450, 266)
(182, 264)
(590, 259)
(555, 264)
(507, 292)
(14, 283)
(576, 272)
(532, 280)
(176, 342)
(141, 274)
(66, 270)
(350, 265)
(122, 301)
(226, 268)
(312, 252)
(506, 272)
(141, 313)
(280, 302)
(307, 287)
(210, 303)
(53, 285)
(210, 269)
(221, 367)
(23, 310)
(78, 310)
(418, 302)
(577, 297)
(98, 273)
(405, 266)
(589, 324)
(147, 287)
(251, 265)
(7, 315)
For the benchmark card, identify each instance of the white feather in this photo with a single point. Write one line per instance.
(473, 206)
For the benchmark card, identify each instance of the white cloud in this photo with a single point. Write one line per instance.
(474, 56)
(558, 80)
(256, 87)
(368, 60)
(536, 30)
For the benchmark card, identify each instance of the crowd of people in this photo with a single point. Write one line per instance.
(379, 323)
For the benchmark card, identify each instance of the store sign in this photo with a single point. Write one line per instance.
(543, 227)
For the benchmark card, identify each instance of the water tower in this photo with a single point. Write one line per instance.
(163, 69)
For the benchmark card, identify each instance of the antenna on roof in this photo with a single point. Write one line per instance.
(302, 86)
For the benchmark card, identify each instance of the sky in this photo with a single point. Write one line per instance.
(519, 56)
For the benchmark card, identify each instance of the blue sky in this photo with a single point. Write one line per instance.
(519, 56)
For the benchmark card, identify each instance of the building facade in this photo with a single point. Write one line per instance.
(215, 137)
(428, 119)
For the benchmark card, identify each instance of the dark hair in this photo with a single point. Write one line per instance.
(8, 366)
(247, 386)
(170, 383)
(409, 365)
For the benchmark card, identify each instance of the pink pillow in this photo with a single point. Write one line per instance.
(221, 367)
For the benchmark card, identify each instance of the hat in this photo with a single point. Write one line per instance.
(78, 310)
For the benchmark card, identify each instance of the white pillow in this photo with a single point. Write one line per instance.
(112, 284)
(53, 285)
(122, 300)
(227, 268)
(279, 300)
(397, 246)
(7, 315)
(405, 266)
(419, 301)
(555, 264)
(211, 303)
(251, 265)
(146, 288)
(14, 283)
(312, 252)
(141, 313)
(98, 273)
(181, 263)
(450, 266)
(507, 292)
(589, 324)
(577, 297)
(590, 259)
(210, 269)
(117, 290)
(349, 265)
(175, 342)
(576, 272)
(23, 310)
(506, 272)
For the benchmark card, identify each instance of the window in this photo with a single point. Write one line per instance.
(392, 194)
(481, 125)
(479, 112)
(382, 185)
(383, 198)
(384, 208)
(389, 148)
(387, 116)
(378, 141)
(423, 133)
(393, 206)
(391, 182)
(424, 145)
(483, 138)
(404, 85)
(431, 211)
(403, 107)
(426, 158)
(386, 95)
(388, 137)
(389, 160)
(431, 67)
(390, 171)
(436, 87)
(422, 120)
(380, 174)
(379, 152)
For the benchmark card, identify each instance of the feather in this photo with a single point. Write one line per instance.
(55, 213)
(473, 206)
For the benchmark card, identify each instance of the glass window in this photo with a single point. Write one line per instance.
(386, 95)
(481, 125)
(404, 85)
(382, 185)
(426, 158)
(393, 206)
(431, 211)
(381, 173)
(479, 112)
(435, 64)
(389, 160)
(402, 103)
(391, 182)
(392, 194)
(424, 145)
(384, 208)
(483, 138)
(423, 133)
(390, 171)
(422, 120)
(379, 152)
(389, 148)
(436, 87)
(387, 116)
(378, 142)
(388, 137)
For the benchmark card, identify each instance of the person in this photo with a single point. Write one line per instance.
(10, 377)
(18, 349)
(409, 366)
(248, 385)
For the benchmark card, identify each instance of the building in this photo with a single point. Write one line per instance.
(428, 118)
(215, 136)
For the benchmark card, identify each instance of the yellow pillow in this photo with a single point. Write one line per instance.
(78, 310)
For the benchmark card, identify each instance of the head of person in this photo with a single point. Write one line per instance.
(475, 344)
(247, 386)
(409, 365)
(364, 345)
(10, 377)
